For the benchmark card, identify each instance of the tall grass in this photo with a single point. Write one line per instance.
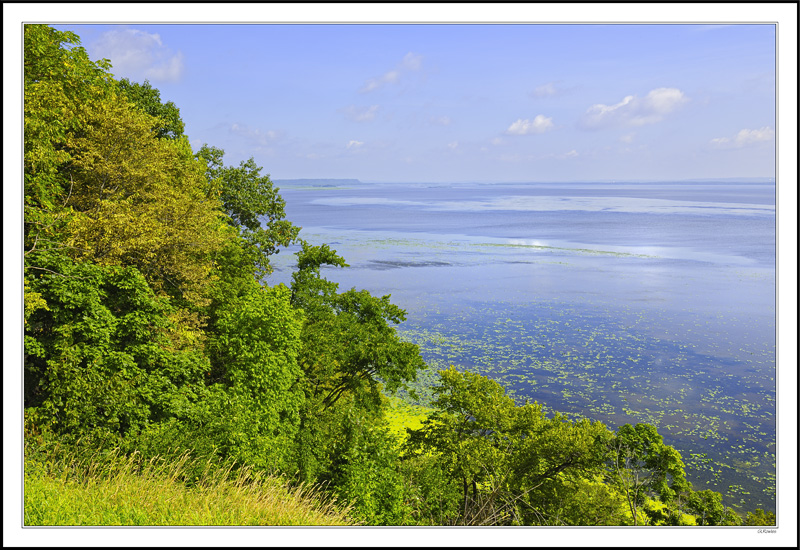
(130, 490)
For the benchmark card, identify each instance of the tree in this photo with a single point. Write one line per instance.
(644, 467)
(707, 506)
(759, 517)
(104, 359)
(555, 461)
(139, 200)
(58, 80)
(254, 344)
(349, 343)
(467, 433)
(148, 99)
(509, 460)
(100, 185)
(252, 204)
(364, 466)
(350, 354)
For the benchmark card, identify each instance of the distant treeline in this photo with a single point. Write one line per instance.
(318, 182)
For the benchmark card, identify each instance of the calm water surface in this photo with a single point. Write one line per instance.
(624, 303)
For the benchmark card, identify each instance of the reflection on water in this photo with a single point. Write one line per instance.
(625, 303)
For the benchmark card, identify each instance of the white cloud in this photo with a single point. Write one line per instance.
(545, 90)
(634, 111)
(453, 145)
(254, 134)
(411, 62)
(538, 125)
(361, 114)
(353, 144)
(139, 55)
(745, 137)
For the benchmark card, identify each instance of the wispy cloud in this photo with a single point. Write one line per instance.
(745, 137)
(139, 55)
(634, 111)
(441, 120)
(360, 114)
(411, 62)
(353, 144)
(550, 89)
(538, 125)
(545, 90)
(568, 155)
(254, 134)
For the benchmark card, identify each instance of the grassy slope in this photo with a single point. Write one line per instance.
(132, 492)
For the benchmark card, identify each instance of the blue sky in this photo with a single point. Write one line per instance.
(481, 102)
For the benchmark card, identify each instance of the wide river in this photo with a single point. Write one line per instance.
(620, 302)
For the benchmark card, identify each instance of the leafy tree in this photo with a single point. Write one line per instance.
(759, 517)
(255, 344)
(644, 467)
(434, 498)
(148, 99)
(103, 359)
(707, 507)
(99, 185)
(505, 457)
(252, 204)
(566, 500)
(59, 78)
(554, 457)
(139, 200)
(467, 433)
(350, 353)
(364, 469)
(349, 343)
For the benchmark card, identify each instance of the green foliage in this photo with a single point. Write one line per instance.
(707, 507)
(100, 360)
(255, 345)
(759, 517)
(310, 291)
(433, 497)
(644, 467)
(553, 457)
(59, 82)
(350, 353)
(148, 99)
(349, 345)
(510, 461)
(468, 429)
(252, 204)
(365, 471)
(140, 201)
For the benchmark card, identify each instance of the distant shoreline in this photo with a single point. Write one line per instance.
(331, 182)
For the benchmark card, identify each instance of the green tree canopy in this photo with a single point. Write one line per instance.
(643, 466)
(252, 204)
(148, 99)
(505, 457)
